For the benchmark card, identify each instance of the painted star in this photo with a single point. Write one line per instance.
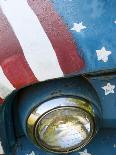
(115, 22)
(84, 152)
(32, 153)
(78, 27)
(103, 54)
(114, 145)
(109, 88)
(1, 149)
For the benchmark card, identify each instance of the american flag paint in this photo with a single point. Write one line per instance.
(5, 86)
(45, 39)
(12, 60)
(37, 45)
(59, 36)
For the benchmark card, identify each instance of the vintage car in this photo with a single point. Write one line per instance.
(58, 77)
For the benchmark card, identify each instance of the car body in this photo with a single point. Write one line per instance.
(43, 42)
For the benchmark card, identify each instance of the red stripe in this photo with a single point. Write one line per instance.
(1, 101)
(60, 37)
(12, 58)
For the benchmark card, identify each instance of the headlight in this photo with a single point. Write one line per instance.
(62, 125)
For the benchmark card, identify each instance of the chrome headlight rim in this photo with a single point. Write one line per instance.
(47, 148)
(92, 113)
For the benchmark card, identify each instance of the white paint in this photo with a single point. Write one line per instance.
(114, 145)
(32, 153)
(5, 86)
(78, 27)
(115, 22)
(84, 152)
(36, 46)
(108, 88)
(103, 54)
(1, 149)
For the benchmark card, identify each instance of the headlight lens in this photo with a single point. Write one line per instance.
(62, 127)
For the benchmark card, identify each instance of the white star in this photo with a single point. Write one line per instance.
(114, 145)
(32, 153)
(78, 27)
(84, 152)
(1, 149)
(103, 54)
(115, 22)
(109, 88)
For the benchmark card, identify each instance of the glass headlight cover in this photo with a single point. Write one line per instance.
(62, 125)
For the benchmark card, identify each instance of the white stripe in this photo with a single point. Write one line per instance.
(36, 46)
(1, 149)
(5, 86)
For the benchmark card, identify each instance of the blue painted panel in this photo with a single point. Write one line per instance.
(99, 17)
(108, 102)
(103, 144)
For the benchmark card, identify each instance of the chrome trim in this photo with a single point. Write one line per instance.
(56, 104)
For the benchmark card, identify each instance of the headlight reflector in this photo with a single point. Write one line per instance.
(64, 129)
(62, 125)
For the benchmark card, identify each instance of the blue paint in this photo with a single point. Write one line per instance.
(98, 16)
(35, 95)
(103, 144)
(108, 101)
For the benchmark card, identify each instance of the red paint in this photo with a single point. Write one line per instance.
(16, 69)
(12, 59)
(1, 101)
(60, 37)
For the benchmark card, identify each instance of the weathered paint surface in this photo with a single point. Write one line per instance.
(106, 135)
(92, 25)
(51, 39)
(35, 44)
(105, 138)
(46, 39)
